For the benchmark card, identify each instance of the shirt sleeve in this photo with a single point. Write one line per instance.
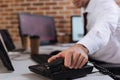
(99, 35)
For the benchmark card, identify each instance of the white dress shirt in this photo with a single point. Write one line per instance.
(103, 37)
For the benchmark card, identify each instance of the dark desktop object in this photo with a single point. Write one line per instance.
(113, 70)
(39, 25)
(43, 58)
(4, 56)
(7, 39)
(57, 71)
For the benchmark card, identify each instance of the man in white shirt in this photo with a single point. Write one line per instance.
(102, 41)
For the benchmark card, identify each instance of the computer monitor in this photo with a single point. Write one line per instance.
(38, 25)
(77, 29)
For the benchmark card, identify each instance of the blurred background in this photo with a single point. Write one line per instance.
(61, 10)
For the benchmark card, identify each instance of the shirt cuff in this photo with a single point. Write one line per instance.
(88, 43)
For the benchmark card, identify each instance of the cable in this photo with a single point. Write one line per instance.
(106, 71)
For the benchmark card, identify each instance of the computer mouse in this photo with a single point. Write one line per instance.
(54, 52)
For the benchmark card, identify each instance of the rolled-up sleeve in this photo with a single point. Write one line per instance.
(99, 35)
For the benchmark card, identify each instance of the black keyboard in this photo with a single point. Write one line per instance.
(40, 58)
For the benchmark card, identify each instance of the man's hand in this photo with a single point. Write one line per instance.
(74, 57)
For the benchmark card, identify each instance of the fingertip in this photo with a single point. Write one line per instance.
(49, 60)
(52, 58)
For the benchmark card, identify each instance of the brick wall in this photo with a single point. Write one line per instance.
(61, 10)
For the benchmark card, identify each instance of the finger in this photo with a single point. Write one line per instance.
(79, 61)
(54, 57)
(83, 63)
(68, 59)
(75, 60)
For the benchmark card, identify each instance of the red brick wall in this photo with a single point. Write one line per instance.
(61, 10)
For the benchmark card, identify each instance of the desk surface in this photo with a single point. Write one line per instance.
(21, 63)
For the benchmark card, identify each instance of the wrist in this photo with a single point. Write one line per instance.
(82, 47)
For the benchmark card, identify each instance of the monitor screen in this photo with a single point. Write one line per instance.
(77, 29)
(38, 25)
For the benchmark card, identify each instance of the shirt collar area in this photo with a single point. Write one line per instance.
(90, 7)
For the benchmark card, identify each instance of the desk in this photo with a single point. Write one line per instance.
(21, 63)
